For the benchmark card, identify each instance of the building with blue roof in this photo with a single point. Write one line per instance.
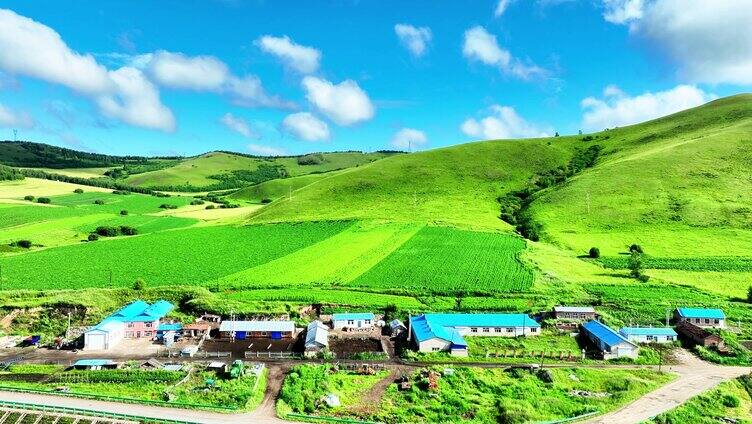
(609, 343)
(701, 317)
(649, 334)
(353, 320)
(447, 332)
(138, 319)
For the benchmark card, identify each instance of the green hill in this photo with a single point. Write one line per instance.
(39, 155)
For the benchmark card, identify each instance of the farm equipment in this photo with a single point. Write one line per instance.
(237, 369)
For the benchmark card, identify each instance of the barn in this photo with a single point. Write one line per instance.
(701, 317)
(135, 320)
(648, 334)
(610, 344)
(353, 320)
(317, 338)
(241, 330)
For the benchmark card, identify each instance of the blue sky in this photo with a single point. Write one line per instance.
(273, 77)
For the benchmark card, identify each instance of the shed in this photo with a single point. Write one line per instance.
(699, 336)
(317, 338)
(577, 313)
(610, 344)
(198, 329)
(397, 327)
(152, 364)
(189, 351)
(648, 334)
(241, 330)
(175, 328)
(701, 317)
(352, 320)
(94, 364)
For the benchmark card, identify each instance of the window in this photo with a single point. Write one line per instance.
(435, 349)
(533, 330)
(669, 338)
(148, 325)
(510, 330)
(486, 330)
(350, 322)
(707, 321)
(651, 338)
(147, 333)
(715, 321)
(130, 325)
(263, 333)
(473, 329)
(497, 329)
(368, 321)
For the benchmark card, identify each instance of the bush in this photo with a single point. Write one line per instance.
(594, 253)
(44, 200)
(139, 284)
(26, 244)
(643, 278)
(311, 159)
(30, 198)
(636, 248)
(99, 202)
(167, 206)
(121, 192)
(730, 401)
(128, 231)
(266, 200)
(78, 191)
(749, 294)
(124, 212)
(106, 231)
(210, 206)
(197, 202)
(93, 237)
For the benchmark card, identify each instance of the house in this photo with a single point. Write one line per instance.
(352, 320)
(164, 329)
(610, 344)
(446, 332)
(397, 328)
(241, 330)
(577, 313)
(317, 338)
(94, 364)
(135, 320)
(648, 334)
(701, 317)
(699, 336)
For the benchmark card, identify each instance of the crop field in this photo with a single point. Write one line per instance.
(190, 256)
(713, 263)
(441, 260)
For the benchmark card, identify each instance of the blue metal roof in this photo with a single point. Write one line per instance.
(352, 316)
(138, 311)
(701, 313)
(170, 327)
(647, 331)
(429, 326)
(604, 333)
(92, 362)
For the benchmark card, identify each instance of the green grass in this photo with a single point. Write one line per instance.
(279, 188)
(713, 263)
(547, 341)
(188, 256)
(492, 395)
(731, 400)
(444, 260)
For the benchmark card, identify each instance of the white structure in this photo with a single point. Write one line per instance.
(610, 344)
(104, 336)
(241, 330)
(701, 317)
(352, 320)
(397, 327)
(648, 334)
(446, 332)
(575, 313)
(317, 338)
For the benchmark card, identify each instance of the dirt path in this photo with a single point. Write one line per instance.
(267, 412)
(695, 377)
(371, 400)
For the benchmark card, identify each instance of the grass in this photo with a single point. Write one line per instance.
(731, 401)
(547, 341)
(276, 189)
(492, 395)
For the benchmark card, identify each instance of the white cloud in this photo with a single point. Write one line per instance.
(413, 38)
(136, 101)
(305, 126)
(344, 103)
(482, 46)
(295, 56)
(262, 150)
(11, 119)
(35, 50)
(619, 110)
(409, 138)
(502, 122)
(708, 41)
(622, 11)
(175, 70)
(237, 124)
(501, 7)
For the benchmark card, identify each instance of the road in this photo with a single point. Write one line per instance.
(695, 377)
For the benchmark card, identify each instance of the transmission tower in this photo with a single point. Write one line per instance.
(15, 135)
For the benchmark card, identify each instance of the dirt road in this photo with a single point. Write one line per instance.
(695, 377)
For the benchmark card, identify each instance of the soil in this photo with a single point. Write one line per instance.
(344, 348)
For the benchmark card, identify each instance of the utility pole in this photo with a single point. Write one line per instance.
(15, 135)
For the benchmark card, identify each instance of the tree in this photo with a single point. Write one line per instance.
(44, 200)
(93, 237)
(26, 244)
(594, 253)
(99, 202)
(30, 198)
(556, 134)
(78, 191)
(749, 294)
(139, 284)
(636, 248)
(635, 264)
(124, 212)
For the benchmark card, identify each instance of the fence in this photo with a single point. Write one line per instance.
(119, 399)
(304, 417)
(199, 354)
(87, 413)
(272, 355)
(562, 355)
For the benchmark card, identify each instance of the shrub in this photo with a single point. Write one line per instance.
(106, 231)
(210, 206)
(643, 278)
(311, 159)
(594, 253)
(266, 200)
(636, 248)
(749, 294)
(730, 401)
(26, 244)
(139, 284)
(167, 206)
(30, 198)
(124, 212)
(121, 192)
(93, 237)
(197, 202)
(99, 202)
(44, 200)
(78, 191)
(128, 231)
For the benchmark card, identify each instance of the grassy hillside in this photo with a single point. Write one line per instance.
(38, 155)
(202, 171)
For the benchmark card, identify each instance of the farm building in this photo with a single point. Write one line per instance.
(94, 364)
(173, 330)
(699, 336)
(133, 321)
(353, 320)
(317, 338)
(198, 330)
(445, 332)
(578, 313)
(701, 317)
(648, 334)
(396, 327)
(241, 330)
(610, 344)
